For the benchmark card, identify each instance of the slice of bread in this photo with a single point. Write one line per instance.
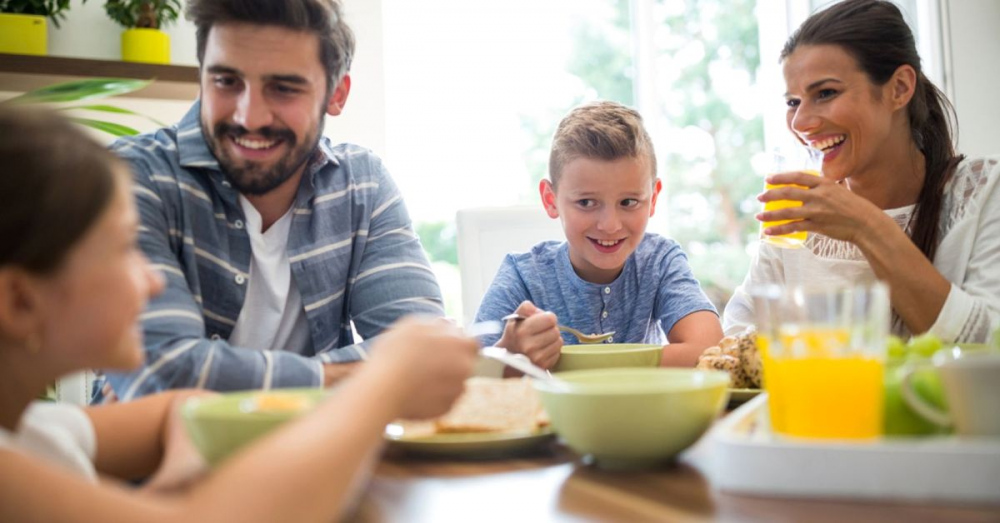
(493, 405)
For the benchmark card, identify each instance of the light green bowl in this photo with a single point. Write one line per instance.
(633, 418)
(219, 425)
(608, 355)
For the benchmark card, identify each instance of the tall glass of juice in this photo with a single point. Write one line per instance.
(802, 159)
(824, 358)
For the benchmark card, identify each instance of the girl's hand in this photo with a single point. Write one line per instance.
(182, 464)
(828, 208)
(427, 361)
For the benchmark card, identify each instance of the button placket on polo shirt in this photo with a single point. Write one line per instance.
(605, 299)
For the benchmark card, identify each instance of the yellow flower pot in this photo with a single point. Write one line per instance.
(146, 45)
(23, 34)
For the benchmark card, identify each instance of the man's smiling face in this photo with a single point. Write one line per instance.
(263, 99)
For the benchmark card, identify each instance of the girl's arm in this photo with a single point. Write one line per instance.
(131, 437)
(307, 471)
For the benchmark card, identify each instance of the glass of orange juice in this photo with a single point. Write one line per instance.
(801, 159)
(823, 352)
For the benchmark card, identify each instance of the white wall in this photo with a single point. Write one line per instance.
(87, 32)
(973, 72)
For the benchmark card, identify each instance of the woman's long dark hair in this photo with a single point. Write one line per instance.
(55, 182)
(874, 33)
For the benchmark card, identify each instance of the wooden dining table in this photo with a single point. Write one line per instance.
(551, 483)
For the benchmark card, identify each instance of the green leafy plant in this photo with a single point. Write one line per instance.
(54, 9)
(149, 14)
(89, 89)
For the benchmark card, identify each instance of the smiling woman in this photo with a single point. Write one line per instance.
(895, 201)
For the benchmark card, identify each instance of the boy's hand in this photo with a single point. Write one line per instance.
(537, 336)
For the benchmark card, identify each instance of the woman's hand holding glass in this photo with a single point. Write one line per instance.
(796, 161)
(798, 199)
(827, 207)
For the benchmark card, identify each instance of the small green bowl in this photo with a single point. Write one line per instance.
(608, 355)
(219, 425)
(633, 418)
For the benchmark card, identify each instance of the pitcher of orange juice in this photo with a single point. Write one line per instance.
(801, 159)
(823, 351)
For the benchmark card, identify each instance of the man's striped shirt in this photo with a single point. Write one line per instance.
(354, 257)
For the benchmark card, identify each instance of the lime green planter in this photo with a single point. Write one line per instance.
(146, 45)
(23, 34)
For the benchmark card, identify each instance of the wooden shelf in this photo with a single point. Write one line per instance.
(26, 72)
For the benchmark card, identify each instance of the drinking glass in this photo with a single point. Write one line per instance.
(823, 352)
(801, 159)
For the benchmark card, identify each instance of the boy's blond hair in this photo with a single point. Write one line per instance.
(600, 130)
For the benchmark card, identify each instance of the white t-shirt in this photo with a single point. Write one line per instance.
(59, 433)
(273, 317)
(968, 256)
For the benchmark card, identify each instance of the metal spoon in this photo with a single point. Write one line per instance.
(517, 361)
(511, 359)
(581, 337)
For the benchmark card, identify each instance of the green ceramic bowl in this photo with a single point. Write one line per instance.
(633, 417)
(608, 355)
(219, 425)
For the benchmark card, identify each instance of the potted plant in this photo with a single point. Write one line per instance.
(22, 24)
(143, 41)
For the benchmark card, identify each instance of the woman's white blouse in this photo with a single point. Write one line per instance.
(968, 256)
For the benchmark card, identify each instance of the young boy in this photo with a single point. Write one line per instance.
(609, 275)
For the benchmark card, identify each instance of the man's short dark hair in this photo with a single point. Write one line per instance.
(324, 18)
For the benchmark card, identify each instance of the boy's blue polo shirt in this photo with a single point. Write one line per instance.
(655, 289)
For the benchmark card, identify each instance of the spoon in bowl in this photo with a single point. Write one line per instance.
(581, 337)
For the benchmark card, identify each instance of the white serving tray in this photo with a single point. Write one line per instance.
(748, 458)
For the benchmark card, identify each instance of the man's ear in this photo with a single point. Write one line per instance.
(548, 194)
(657, 187)
(338, 98)
(21, 306)
(903, 85)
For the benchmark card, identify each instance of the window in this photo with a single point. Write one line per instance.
(474, 90)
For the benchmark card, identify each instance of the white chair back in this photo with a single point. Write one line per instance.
(75, 388)
(486, 235)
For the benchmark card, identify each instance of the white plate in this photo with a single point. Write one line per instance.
(469, 444)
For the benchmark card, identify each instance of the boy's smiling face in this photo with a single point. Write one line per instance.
(604, 207)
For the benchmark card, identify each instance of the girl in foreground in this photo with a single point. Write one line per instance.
(72, 284)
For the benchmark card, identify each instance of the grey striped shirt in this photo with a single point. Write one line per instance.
(354, 257)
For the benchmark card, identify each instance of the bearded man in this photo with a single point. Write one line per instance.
(272, 239)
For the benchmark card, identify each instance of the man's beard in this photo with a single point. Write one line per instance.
(252, 178)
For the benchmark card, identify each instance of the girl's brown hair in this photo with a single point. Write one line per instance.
(55, 181)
